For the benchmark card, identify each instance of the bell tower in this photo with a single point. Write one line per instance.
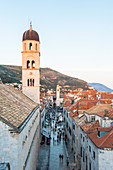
(31, 65)
(58, 95)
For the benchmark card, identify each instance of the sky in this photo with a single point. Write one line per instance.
(76, 35)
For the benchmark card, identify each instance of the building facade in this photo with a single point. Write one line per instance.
(19, 129)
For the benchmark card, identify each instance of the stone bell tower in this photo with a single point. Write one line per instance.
(58, 95)
(31, 65)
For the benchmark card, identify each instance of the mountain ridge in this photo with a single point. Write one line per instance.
(100, 87)
(49, 78)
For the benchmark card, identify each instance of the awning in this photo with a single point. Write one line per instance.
(46, 132)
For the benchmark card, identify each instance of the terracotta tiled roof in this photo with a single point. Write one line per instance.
(73, 114)
(105, 129)
(98, 108)
(80, 121)
(83, 104)
(67, 103)
(106, 141)
(109, 114)
(91, 127)
(15, 107)
(106, 96)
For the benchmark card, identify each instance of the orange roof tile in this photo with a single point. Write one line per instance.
(73, 114)
(106, 141)
(91, 127)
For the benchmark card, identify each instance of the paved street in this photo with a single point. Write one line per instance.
(49, 154)
(57, 148)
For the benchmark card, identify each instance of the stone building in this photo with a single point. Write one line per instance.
(93, 143)
(31, 65)
(19, 129)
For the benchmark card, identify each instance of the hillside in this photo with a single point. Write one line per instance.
(100, 87)
(49, 78)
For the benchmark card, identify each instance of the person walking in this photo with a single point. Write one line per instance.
(67, 161)
(62, 157)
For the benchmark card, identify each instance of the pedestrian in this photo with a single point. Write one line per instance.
(67, 161)
(62, 157)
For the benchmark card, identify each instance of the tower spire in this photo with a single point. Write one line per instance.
(31, 25)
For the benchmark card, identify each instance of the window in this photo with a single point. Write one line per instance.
(67, 124)
(90, 166)
(81, 151)
(33, 64)
(30, 46)
(83, 156)
(69, 130)
(73, 126)
(89, 148)
(36, 47)
(67, 114)
(83, 139)
(33, 82)
(94, 154)
(28, 82)
(92, 118)
(28, 64)
(73, 138)
(81, 135)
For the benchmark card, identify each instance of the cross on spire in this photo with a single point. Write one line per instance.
(31, 25)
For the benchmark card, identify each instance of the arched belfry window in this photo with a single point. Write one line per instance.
(36, 47)
(30, 46)
(28, 64)
(28, 82)
(33, 82)
(33, 64)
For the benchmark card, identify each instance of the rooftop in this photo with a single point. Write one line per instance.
(91, 127)
(15, 107)
(80, 121)
(109, 114)
(106, 141)
(98, 108)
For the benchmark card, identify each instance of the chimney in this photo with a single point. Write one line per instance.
(106, 113)
(98, 132)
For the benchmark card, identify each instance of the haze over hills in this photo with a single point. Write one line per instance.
(100, 87)
(49, 78)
